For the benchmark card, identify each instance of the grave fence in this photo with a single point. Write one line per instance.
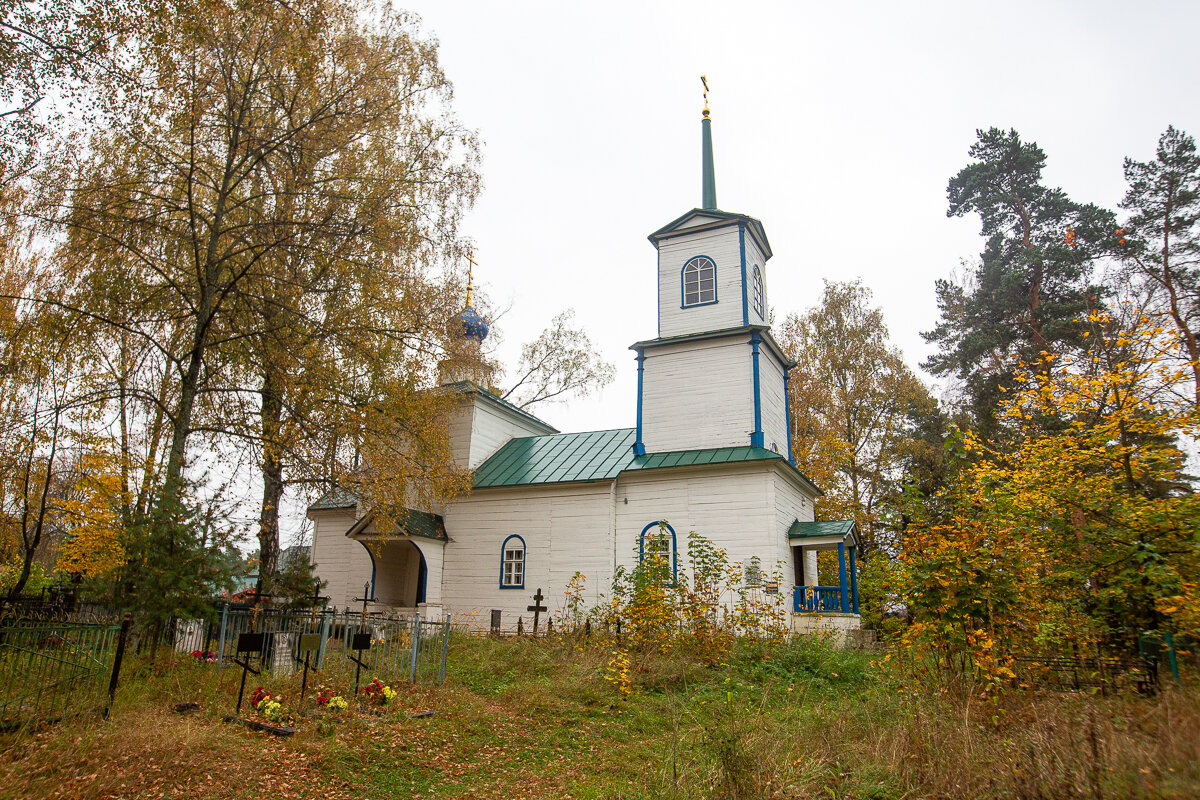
(52, 669)
(402, 648)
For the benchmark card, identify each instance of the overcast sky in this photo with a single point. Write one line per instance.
(836, 124)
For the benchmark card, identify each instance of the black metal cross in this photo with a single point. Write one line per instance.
(537, 608)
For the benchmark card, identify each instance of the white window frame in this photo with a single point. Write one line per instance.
(760, 302)
(699, 282)
(512, 563)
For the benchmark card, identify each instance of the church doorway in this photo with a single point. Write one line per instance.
(399, 572)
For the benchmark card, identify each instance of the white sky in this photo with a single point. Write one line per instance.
(836, 124)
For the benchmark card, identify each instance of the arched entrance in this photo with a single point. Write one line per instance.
(399, 574)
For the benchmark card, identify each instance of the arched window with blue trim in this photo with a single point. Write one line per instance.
(760, 304)
(657, 550)
(512, 563)
(699, 282)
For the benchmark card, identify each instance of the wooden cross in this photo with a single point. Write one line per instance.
(316, 595)
(537, 608)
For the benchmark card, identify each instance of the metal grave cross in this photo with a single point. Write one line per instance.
(537, 608)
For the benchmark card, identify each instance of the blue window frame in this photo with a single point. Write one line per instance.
(657, 540)
(512, 563)
(760, 304)
(699, 282)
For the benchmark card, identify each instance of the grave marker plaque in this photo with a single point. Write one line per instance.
(306, 644)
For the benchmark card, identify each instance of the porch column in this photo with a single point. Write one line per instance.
(845, 598)
(853, 581)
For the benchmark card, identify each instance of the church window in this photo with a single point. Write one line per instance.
(512, 563)
(759, 304)
(656, 550)
(699, 282)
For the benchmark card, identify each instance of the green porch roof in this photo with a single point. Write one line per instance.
(814, 530)
(593, 456)
(415, 523)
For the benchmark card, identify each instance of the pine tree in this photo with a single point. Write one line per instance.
(1031, 286)
(1162, 239)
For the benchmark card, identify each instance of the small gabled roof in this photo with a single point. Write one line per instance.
(467, 387)
(334, 500)
(828, 530)
(421, 524)
(717, 219)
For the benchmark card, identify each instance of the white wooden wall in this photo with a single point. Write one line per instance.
(773, 400)
(343, 562)
(792, 502)
(698, 395)
(567, 528)
(492, 426)
(731, 506)
(721, 245)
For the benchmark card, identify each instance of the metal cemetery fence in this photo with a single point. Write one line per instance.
(403, 648)
(49, 669)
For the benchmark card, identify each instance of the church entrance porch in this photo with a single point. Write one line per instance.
(399, 574)
(817, 607)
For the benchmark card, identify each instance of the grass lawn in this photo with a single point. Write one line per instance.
(519, 718)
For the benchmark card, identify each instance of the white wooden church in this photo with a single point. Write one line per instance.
(710, 452)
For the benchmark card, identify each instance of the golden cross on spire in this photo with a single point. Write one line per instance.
(704, 81)
(470, 275)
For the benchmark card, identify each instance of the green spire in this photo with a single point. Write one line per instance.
(709, 201)
(709, 178)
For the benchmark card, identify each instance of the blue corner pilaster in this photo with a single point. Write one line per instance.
(639, 449)
(756, 437)
(853, 581)
(845, 595)
(787, 413)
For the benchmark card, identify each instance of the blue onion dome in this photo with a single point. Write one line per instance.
(473, 325)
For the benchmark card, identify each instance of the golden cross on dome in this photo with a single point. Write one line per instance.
(704, 81)
(470, 275)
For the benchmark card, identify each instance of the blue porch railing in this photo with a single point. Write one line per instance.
(812, 599)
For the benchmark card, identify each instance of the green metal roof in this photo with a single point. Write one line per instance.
(593, 456)
(564, 457)
(415, 523)
(687, 458)
(334, 499)
(814, 530)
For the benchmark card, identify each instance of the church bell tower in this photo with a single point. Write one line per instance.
(713, 377)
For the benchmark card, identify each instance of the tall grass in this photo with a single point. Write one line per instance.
(536, 718)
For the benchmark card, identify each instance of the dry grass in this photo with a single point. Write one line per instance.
(524, 719)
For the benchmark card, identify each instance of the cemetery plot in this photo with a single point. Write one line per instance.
(52, 669)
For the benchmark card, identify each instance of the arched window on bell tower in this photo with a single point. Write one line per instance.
(699, 282)
(757, 294)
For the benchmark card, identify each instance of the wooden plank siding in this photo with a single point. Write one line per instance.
(492, 426)
(565, 528)
(728, 505)
(774, 409)
(721, 245)
(342, 562)
(698, 395)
